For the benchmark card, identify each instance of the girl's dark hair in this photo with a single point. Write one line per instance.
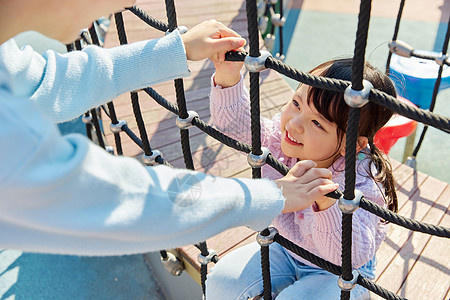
(332, 106)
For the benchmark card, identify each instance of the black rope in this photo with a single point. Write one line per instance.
(332, 268)
(435, 90)
(360, 44)
(98, 130)
(408, 223)
(394, 37)
(171, 15)
(88, 126)
(149, 19)
(352, 137)
(265, 268)
(140, 123)
(203, 269)
(120, 28)
(280, 29)
(377, 289)
(111, 110)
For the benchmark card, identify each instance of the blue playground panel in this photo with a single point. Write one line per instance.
(415, 78)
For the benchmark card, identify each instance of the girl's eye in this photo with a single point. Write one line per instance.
(317, 124)
(296, 103)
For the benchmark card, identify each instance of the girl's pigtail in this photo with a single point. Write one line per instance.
(384, 176)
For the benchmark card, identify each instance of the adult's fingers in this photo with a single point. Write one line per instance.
(226, 44)
(227, 32)
(301, 167)
(314, 173)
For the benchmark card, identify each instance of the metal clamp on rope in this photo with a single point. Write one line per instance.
(257, 161)
(116, 128)
(349, 206)
(440, 60)
(348, 285)
(357, 99)
(269, 41)
(150, 160)
(256, 64)
(266, 240)
(276, 18)
(172, 264)
(186, 123)
(181, 29)
(401, 48)
(109, 149)
(204, 260)
(262, 23)
(87, 119)
(261, 8)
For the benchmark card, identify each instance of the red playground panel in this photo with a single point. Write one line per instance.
(397, 127)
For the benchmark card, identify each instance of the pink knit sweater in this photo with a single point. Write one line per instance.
(319, 232)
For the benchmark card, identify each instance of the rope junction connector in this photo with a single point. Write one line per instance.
(186, 123)
(116, 128)
(280, 57)
(401, 48)
(261, 8)
(110, 149)
(348, 285)
(257, 64)
(357, 99)
(441, 59)
(257, 161)
(87, 119)
(182, 29)
(150, 160)
(266, 240)
(349, 206)
(262, 23)
(204, 260)
(276, 18)
(172, 264)
(269, 41)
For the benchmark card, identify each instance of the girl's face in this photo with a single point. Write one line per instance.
(306, 134)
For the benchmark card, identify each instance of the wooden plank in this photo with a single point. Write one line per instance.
(430, 275)
(420, 208)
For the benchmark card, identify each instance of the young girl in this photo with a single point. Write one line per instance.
(311, 126)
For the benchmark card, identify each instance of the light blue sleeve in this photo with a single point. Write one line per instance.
(66, 195)
(64, 86)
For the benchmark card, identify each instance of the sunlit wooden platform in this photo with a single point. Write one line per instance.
(414, 265)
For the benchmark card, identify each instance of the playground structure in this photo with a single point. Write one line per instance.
(150, 153)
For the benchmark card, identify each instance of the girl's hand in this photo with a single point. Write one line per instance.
(305, 184)
(228, 73)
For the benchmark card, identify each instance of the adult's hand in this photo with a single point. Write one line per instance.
(210, 38)
(305, 184)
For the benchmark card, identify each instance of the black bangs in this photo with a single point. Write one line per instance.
(330, 103)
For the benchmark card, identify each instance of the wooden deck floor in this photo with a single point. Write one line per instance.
(414, 265)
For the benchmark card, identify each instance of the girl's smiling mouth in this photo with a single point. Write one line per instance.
(291, 140)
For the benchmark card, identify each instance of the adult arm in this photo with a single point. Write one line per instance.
(64, 86)
(65, 195)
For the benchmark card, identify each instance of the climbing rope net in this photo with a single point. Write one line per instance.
(357, 94)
